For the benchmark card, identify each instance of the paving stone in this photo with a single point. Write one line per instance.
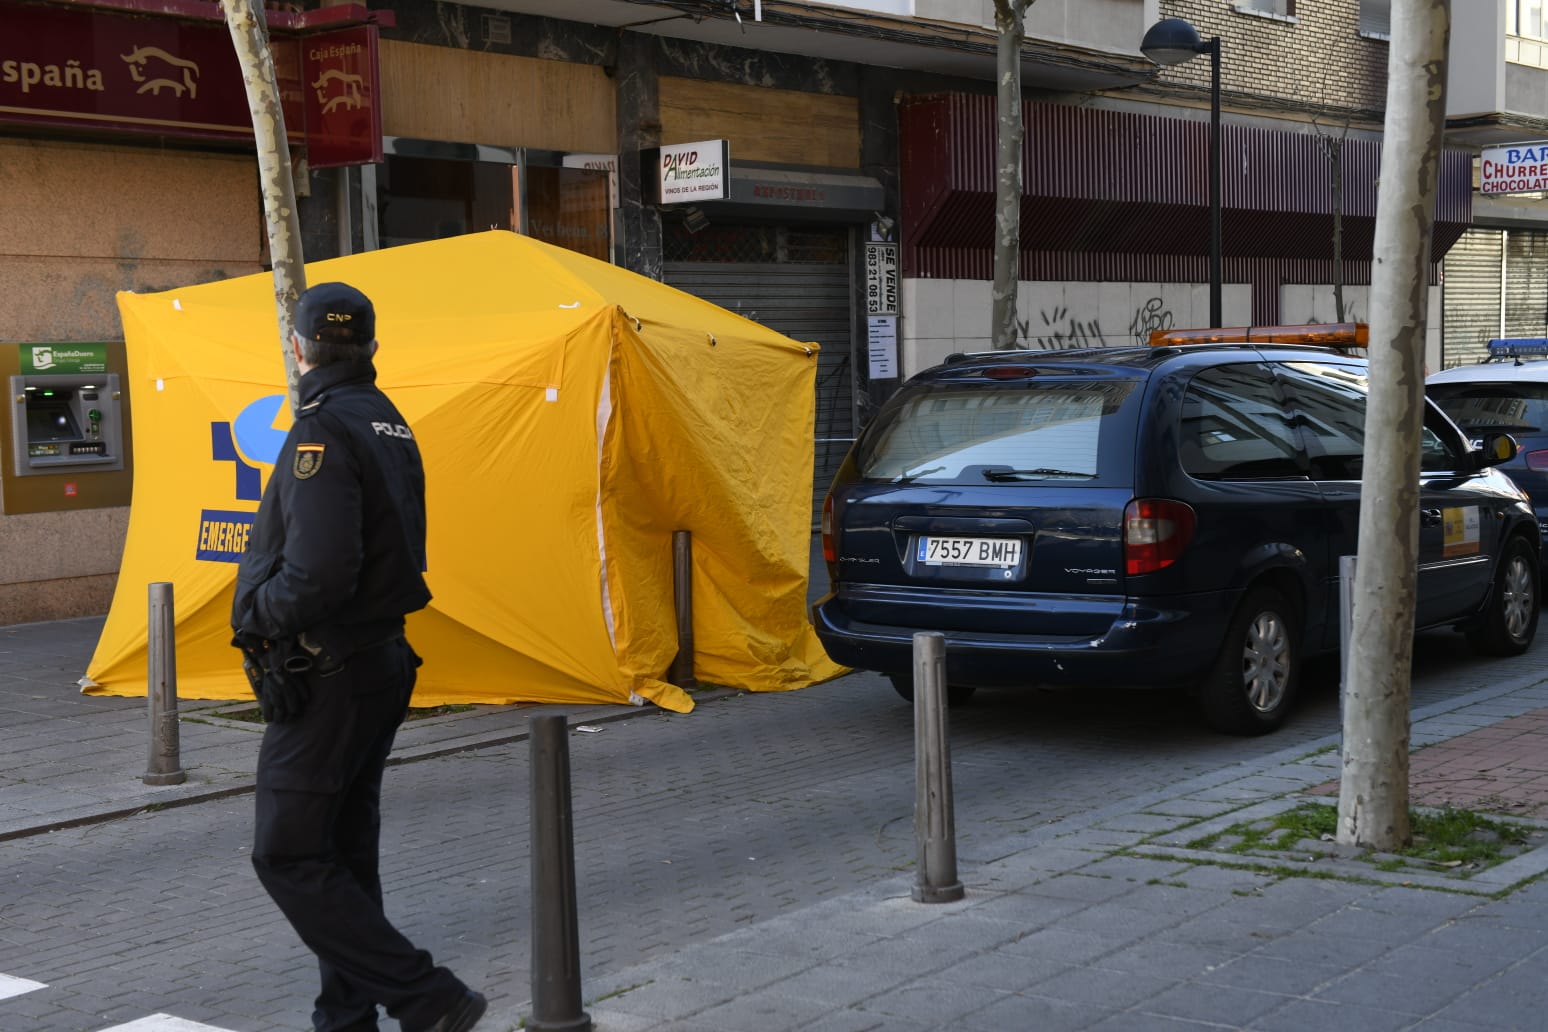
(1006, 972)
(1300, 1015)
(934, 1003)
(1266, 973)
(1026, 1011)
(1219, 1005)
(1486, 934)
(1175, 961)
(1399, 992)
(840, 986)
(1138, 1021)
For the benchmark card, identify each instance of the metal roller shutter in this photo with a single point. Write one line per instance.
(1526, 284)
(799, 285)
(1470, 298)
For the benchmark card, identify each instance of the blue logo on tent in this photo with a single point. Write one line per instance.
(223, 533)
(255, 432)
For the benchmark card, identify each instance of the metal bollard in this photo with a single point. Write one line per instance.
(556, 1000)
(934, 825)
(681, 673)
(164, 766)
(1346, 587)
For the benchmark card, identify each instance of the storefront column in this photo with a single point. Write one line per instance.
(639, 126)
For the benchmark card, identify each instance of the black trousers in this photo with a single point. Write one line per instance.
(315, 845)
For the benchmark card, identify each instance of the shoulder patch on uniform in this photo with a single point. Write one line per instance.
(308, 460)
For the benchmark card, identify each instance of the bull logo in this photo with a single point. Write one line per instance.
(344, 87)
(154, 68)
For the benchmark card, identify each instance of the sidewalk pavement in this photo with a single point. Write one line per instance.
(1122, 918)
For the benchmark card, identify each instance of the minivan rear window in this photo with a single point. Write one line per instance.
(1047, 431)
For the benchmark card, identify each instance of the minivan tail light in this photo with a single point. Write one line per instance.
(1537, 461)
(1155, 532)
(828, 553)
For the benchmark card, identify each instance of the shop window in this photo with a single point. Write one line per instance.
(569, 207)
(427, 190)
(428, 198)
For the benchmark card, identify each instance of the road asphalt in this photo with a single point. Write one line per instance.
(1143, 914)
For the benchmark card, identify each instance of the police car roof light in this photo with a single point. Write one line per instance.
(1336, 335)
(1518, 348)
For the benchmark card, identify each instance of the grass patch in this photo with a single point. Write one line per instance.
(1448, 839)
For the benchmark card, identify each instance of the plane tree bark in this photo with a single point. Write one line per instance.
(1373, 795)
(250, 37)
(1010, 22)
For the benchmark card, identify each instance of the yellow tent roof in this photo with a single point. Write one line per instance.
(572, 415)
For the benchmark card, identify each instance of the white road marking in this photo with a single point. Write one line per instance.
(10, 986)
(164, 1023)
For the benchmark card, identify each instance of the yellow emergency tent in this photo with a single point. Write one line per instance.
(572, 415)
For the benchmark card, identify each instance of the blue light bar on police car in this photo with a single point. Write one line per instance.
(1517, 347)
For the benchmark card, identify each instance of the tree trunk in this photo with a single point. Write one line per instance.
(1008, 21)
(250, 37)
(1373, 792)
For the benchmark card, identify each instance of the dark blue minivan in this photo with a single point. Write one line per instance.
(1148, 516)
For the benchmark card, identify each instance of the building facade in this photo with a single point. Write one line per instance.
(857, 207)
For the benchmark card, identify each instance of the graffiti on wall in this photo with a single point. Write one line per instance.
(1152, 315)
(1057, 329)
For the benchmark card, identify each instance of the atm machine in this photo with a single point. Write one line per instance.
(66, 443)
(66, 423)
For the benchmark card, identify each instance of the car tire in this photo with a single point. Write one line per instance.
(1509, 621)
(956, 694)
(1253, 684)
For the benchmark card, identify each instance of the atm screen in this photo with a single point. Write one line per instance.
(50, 419)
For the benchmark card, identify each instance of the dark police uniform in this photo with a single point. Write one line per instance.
(334, 562)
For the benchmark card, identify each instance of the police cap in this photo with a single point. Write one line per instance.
(335, 312)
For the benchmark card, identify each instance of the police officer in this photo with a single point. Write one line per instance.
(336, 559)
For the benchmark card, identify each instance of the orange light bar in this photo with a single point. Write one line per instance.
(1334, 335)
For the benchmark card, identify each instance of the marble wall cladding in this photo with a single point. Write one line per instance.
(638, 110)
(694, 60)
(477, 28)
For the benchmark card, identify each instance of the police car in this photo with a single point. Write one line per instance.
(1507, 393)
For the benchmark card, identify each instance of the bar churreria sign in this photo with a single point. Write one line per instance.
(1517, 168)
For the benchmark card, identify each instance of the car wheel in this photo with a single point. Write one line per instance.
(1509, 621)
(1253, 683)
(956, 694)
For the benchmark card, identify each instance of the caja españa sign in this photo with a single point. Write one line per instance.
(89, 68)
(343, 107)
(1517, 168)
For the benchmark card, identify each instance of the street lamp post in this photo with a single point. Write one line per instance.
(1172, 41)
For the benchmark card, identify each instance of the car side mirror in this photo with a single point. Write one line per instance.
(1495, 449)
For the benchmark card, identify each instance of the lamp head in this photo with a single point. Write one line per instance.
(1171, 41)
